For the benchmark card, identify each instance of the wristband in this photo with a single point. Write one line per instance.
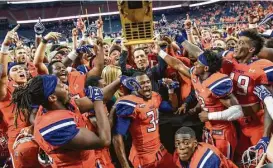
(38, 35)
(214, 116)
(4, 48)
(188, 31)
(252, 26)
(72, 55)
(170, 91)
(162, 54)
(69, 69)
(44, 41)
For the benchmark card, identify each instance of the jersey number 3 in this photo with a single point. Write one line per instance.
(153, 121)
(242, 84)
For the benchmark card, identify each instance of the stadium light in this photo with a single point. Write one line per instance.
(89, 15)
(204, 3)
(30, 1)
(99, 14)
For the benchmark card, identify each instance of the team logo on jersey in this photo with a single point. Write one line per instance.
(217, 132)
(251, 70)
(142, 105)
(16, 154)
(76, 86)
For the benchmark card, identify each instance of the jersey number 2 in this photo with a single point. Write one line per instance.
(242, 84)
(154, 120)
(201, 101)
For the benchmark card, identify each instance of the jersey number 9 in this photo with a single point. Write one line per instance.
(242, 84)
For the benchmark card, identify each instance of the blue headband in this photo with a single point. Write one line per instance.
(49, 84)
(11, 64)
(203, 60)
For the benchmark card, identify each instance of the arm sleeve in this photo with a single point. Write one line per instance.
(222, 87)
(124, 110)
(59, 133)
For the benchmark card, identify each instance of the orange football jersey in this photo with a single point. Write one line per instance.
(8, 116)
(4, 152)
(55, 128)
(102, 156)
(210, 91)
(205, 156)
(143, 127)
(246, 76)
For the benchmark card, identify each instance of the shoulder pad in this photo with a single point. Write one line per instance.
(209, 159)
(221, 87)
(125, 107)
(60, 132)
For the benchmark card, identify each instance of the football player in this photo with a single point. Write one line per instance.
(138, 113)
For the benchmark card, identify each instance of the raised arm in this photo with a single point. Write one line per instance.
(188, 27)
(100, 27)
(192, 49)
(124, 114)
(99, 60)
(85, 104)
(39, 29)
(74, 38)
(265, 94)
(4, 75)
(223, 91)
(171, 61)
(86, 139)
(233, 112)
(38, 39)
(40, 52)
(4, 61)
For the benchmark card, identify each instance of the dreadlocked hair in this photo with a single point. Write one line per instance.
(25, 97)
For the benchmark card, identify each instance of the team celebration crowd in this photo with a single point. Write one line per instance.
(103, 104)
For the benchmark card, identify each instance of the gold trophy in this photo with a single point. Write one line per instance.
(137, 21)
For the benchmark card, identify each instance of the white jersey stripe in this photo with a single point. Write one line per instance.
(57, 127)
(206, 158)
(218, 83)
